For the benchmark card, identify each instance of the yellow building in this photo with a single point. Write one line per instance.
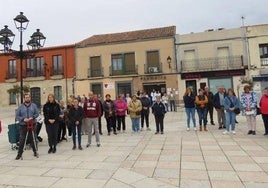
(257, 38)
(127, 62)
(211, 58)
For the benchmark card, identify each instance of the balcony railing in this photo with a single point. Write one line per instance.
(126, 71)
(152, 69)
(11, 75)
(33, 73)
(95, 72)
(56, 72)
(210, 64)
(264, 61)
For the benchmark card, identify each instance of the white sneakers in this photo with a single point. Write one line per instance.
(227, 132)
(188, 129)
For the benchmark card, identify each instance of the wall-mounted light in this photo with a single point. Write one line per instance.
(169, 61)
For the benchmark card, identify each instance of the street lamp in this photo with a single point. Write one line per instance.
(35, 43)
(169, 61)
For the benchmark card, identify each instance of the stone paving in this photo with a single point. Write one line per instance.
(175, 159)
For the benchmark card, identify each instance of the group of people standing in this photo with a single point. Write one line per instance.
(88, 112)
(227, 106)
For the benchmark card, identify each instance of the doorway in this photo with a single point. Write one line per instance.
(124, 88)
(191, 84)
(149, 87)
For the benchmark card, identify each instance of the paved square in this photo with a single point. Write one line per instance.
(178, 158)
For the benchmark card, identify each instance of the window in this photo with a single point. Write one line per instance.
(123, 64)
(57, 65)
(11, 69)
(95, 69)
(117, 62)
(12, 98)
(130, 63)
(189, 63)
(35, 67)
(58, 93)
(153, 59)
(263, 49)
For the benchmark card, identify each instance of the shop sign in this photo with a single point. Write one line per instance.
(213, 74)
(152, 78)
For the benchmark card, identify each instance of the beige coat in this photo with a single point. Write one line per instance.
(133, 107)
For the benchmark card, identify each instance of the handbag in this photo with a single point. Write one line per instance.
(236, 110)
(258, 111)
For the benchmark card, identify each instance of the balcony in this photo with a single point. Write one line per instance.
(56, 72)
(93, 73)
(152, 69)
(11, 76)
(33, 73)
(212, 64)
(130, 70)
(264, 61)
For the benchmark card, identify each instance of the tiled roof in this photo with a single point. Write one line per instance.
(138, 35)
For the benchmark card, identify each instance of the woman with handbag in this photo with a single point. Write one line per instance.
(249, 108)
(231, 104)
(135, 108)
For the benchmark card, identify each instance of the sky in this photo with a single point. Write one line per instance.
(70, 21)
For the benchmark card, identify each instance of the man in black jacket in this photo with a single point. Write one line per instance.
(210, 106)
(159, 111)
(146, 103)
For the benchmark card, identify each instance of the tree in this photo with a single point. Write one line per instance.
(16, 90)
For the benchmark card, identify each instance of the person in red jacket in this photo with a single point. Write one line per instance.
(92, 111)
(121, 108)
(264, 109)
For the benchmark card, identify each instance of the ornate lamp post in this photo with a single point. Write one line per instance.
(35, 43)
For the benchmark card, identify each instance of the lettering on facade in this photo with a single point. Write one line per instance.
(152, 78)
(212, 74)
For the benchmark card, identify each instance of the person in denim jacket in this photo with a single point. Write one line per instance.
(249, 108)
(230, 103)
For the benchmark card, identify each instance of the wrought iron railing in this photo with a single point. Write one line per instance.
(210, 64)
(130, 70)
(95, 72)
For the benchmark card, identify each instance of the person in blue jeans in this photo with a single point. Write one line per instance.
(230, 104)
(76, 116)
(135, 108)
(201, 102)
(189, 104)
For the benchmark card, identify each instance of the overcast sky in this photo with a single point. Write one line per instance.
(70, 21)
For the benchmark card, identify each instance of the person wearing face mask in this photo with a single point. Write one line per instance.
(51, 112)
(264, 109)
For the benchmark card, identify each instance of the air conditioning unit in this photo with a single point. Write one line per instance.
(153, 69)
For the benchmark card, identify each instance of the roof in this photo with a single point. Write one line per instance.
(155, 33)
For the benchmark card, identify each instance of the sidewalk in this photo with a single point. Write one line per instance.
(176, 159)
